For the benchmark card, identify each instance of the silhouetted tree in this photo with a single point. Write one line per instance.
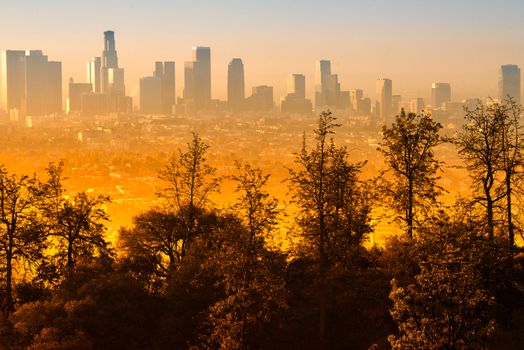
(449, 305)
(512, 146)
(157, 237)
(77, 225)
(251, 275)
(325, 187)
(480, 147)
(408, 147)
(21, 233)
(189, 181)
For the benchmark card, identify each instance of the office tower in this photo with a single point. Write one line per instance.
(354, 97)
(157, 92)
(395, 104)
(109, 55)
(151, 95)
(189, 81)
(383, 100)
(509, 82)
(327, 88)
(322, 77)
(417, 105)
(165, 71)
(13, 79)
(440, 95)
(93, 73)
(202, 76)
(296, 85)
(31, 83)
(112, 77)
(235, 84)
(295, 101)
(76, 91)
(261, 98)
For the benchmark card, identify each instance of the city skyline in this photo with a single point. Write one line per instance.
(365, 44)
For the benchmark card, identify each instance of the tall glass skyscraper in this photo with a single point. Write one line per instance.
(235, 84)
(383, 100)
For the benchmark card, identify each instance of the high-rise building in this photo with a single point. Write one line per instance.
(440, 95)
(354, 97)
(295, 101)
(296, 85)
(395, 104)
(383, 100)
(509, 82)
(151, 95)
(31, 83)
(235, 84)
(417, 105)
(93, 74)
(13, 79)
(261, 99)
(76, 91)
(112, 77)
(327, 88)
(202, 76)
(165, 71)
(157, 92)
(322, 76)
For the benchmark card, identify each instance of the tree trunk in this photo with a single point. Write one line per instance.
(511, 233)
(409, 218)
(8, 305)
(322, 284)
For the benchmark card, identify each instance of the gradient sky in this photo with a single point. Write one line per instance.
(413, 42)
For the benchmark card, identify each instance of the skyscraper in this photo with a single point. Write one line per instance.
(165, 71)
(383, 100)
(417, 105)
(295, 101)
(509, 82)
(440, 94)
(31, 83)
(109, 55)
(202, 76)
(327, 88)
(151, 95)
(296, 85)
(13, 79)
(93, 73)
(323, 84)
(261, 99)
(157, 92)
(235, 84)
(189, 82)
(112, 77)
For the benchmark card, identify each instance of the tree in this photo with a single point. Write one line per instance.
(251, 275)
(325, 188)
(189, 180)
(408, 147)
(511, 161)
(21, 233)
(157, 237)
(76, 226)
(479, 144)
(81, 229)
(449, 305)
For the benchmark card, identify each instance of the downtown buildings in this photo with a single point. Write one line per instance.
(509, 82)
(31, 85)
(106, 78)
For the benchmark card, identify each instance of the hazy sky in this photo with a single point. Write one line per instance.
(413, 42)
